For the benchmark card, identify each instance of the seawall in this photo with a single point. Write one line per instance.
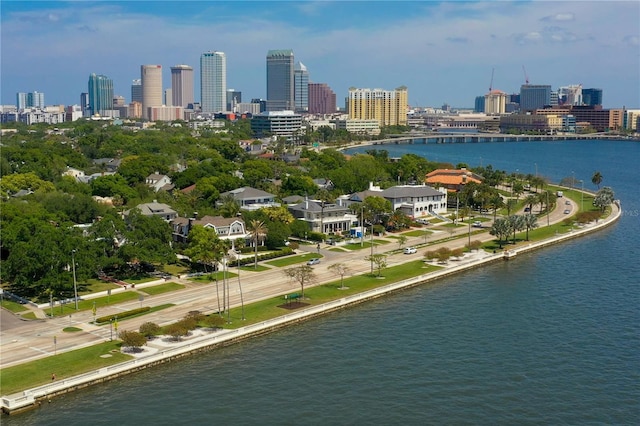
(31, 398)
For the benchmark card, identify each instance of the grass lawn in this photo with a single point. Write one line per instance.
(153, 309)
(337, 249)
(175, 270)
(84, 305)
(28, 316)
(96, 286)
(63, 365)
(252, 268)
(292, 260)
(212, 276)
(162, 288)
(267, 309)
(365, 244)
(14, 307)
(140, 280)
(417, 233)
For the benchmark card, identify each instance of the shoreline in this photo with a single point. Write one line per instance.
(32, 398)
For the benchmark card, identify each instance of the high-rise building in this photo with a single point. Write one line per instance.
(592, 97)
(100, 94)
(234, 97)
(151, 78)
(322, 100)
(213, 81)
(389, 107)
(301, 87)
(495, 102)
(570, 95)
(280, 87)
(136, 90)
(182, 86)
(479, 104)
(534, 96)
(29, 100)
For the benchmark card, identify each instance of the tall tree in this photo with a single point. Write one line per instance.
(597, 179)
(341, 270)
(303, 274)
(603, 198)
(378, 259)
(530, 222)
(257, 231)
(501, 228)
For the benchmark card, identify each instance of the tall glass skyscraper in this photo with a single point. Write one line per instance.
(136, 90)
(213, 82)
(100, 94)
(280, 93)
(592, 97)
(301, 87)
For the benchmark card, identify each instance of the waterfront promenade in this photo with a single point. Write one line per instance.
(160, 351)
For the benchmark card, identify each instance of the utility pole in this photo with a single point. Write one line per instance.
(75, 283)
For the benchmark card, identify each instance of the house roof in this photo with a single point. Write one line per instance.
(246, 192)
(217, 221)
(155, 208)
(316, 206)
(452, 177)
(402, 191)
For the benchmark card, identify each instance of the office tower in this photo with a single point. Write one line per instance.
(100, 94)
(118, 100)
(182, 86)
(21, 100)
(136, 90)
(261, 102)
(389, 107)
(570, 95)
(592, 97)
(213, 81)
(84, 104)
(29, 100)
(280, 94)
(233, 98)
(479, 104)
(322, 100)
(301, 87)
(167, 98)
(151, 77)
(534, 96)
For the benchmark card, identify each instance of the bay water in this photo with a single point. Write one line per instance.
(550, 337)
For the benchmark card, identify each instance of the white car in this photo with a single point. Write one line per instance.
(410, 250)
(477, 224)
(313, 261)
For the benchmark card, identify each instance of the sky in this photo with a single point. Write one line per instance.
(443, 52)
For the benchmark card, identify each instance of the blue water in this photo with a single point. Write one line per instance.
(552, 337)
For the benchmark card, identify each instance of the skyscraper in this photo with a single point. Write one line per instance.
(136, 90)
(534, 96)
(182, 85)
(301, 87)
(389, 107)
(234, 97)
(213, 81)
(495, 102)
(100, 94)
(322, 100)
(151, 77)
(592, 97)
(280, 93)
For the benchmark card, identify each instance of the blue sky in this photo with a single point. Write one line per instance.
(444, 52)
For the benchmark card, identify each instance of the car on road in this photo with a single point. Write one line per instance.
(314, 261)
(567, 211)
(527, 209)
(477, 224)
(410, 250)
(423, 221)
(567, 203)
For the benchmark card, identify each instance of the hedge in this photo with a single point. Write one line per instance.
(125, 314)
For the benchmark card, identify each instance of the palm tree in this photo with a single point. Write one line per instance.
(501, 228)
(530, 222)
(229, 206)
(517, 224)
(597, 179)
(257, 230)
(530, 200)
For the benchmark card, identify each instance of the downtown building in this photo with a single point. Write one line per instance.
(389, 107)
(495, 102)
(322, 100)
(280, 80)
(534, 96)
(151, 80)
(181, 86)
(213, 82)
(29, 100)
(100, 95)
(301, 88)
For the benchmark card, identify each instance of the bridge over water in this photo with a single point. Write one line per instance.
(486, 137)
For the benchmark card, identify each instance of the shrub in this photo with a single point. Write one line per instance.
(149, 329)
(126, 314)
(132, 339)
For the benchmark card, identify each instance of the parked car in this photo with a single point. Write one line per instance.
(313, 261)
(423, 221)
(477, 224)
(527, 209)
(410, 250)
(567, 203)
(567, 211)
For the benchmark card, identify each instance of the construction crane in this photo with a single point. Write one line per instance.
(526, 77)
(491, 83)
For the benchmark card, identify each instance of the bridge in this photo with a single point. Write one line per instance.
(427, 138)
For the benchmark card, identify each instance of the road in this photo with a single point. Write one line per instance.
(23, 341)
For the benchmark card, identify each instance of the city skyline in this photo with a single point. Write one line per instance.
(444, 52)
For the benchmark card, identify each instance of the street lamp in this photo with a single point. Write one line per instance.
(75, 283)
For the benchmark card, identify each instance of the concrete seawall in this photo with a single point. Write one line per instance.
(33, 397)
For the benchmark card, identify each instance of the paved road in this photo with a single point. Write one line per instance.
(23, 341)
